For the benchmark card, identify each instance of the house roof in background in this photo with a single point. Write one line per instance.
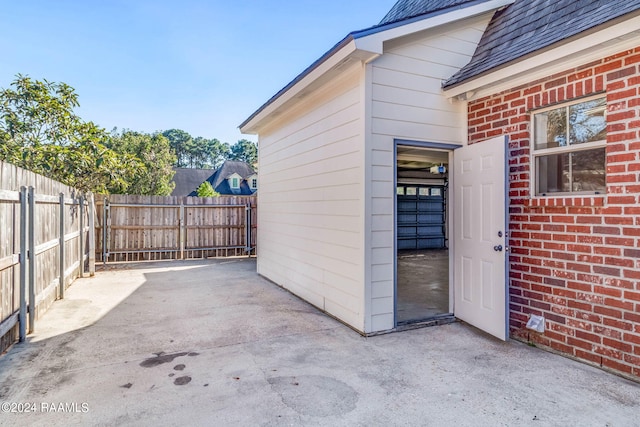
(188, 180)
(528, 26)
(219, 179)
(406, 9)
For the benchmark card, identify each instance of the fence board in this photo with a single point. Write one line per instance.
(149, 227)
(46, 250)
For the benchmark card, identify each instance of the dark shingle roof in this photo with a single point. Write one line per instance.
(527, 26)
(405, 9)
(219, 179)
(188, 180)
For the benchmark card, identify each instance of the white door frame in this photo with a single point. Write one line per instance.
(426, 145)
(450, 222)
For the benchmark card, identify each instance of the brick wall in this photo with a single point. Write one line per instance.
(575, 260)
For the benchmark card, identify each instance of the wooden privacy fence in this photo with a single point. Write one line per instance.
(46, 241)
(141, 228)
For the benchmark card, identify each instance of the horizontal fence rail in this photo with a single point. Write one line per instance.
(144, 228)
(46, 242)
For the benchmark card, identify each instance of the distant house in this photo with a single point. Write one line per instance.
(505, 131)
(188, 180)
(233, 178)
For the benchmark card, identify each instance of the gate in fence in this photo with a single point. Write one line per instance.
(142, 228)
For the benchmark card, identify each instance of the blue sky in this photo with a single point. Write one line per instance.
(197, 65)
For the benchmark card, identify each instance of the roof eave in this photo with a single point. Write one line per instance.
(373, 38)
(341, 52)
(364, 45)
(550, 60)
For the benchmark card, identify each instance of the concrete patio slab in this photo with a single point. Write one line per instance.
(211, 343)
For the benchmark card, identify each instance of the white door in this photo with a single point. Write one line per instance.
(479, 236)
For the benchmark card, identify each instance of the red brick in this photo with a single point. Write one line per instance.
(632, 317)
(574, 342)
(631, 231)
(621, 73)
(612, 292)
(631, 274)
(632, 253)
(590, 259)
(579, 248)
(580, 286)
(618, 241)
(580, 305)
(562, 348)
(585, 268)
(605, 250)
(617, 137)
(633, 338)
(617, 55)
(608, 271)
(614, 96)
(616, 365)
(618, 345)
(618, 324)
(635, 296)
(532, 90)
(619, 283)
(587, 355)
(606, 311)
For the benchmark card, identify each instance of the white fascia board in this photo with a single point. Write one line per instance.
(374, 42)
(365, 46)
(608, 41)
(325, 65)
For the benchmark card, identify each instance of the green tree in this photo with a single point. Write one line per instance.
(182, 145)
(211, 152)
(206, 190)
(40, 131)
(154, 176)
(244, 150)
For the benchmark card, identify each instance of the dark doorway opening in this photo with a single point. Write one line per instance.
(422, 258)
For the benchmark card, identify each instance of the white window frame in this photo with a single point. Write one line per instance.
(254, 183)
(535, 153)
(234, 180)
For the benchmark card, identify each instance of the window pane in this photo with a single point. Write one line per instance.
(400, 191)
(411, 191)
(587, 121)
(423, 191)
(589, 170)
(553, 173)
(551, 129)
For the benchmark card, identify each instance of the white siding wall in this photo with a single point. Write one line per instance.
(405, 100)
(310, 219)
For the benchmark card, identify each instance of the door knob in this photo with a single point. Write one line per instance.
(497, 248)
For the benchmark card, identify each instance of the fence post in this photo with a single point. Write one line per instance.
(105, 232)
(61, 245)
(32, 259)
(22, 316)
(81, 201)
(247, 229)
(92, 236)
(183, 231)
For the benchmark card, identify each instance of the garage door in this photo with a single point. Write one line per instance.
(421, 217)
